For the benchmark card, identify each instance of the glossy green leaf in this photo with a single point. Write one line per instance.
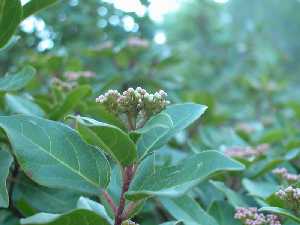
(5, 163)
(33, 6)
(17, 81)
(72, 99)
(223, 213)
(109, 138)
(163, 126)
(282, 212)
(54, 155)
(10, 17)
(187, 210)
(18, 104)
(175, 180)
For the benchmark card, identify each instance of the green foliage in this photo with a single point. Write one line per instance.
(231, 74)
(5, 162)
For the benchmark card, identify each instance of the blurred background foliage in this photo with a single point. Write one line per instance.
(238, 57)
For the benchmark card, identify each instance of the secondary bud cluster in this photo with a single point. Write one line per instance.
(137, 103)
(75, 75)
(251, 216)
(289, 194)
(247, 152)
(283, 174)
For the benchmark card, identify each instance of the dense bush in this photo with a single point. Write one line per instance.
(102, 125)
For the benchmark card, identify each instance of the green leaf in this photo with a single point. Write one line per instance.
(109, 138)
(5, 162)
(282, 212)
(10, 17)
(35, 5)
(54, 155)
(175, 180)
(161, 127)
(72, 100)
(187, 210)
(15, 82)
(44, 199)
(8, 218)
(223, 213)
(260, 189)
(233, 197)
(75, 217)
(18, 104)
(85, 203)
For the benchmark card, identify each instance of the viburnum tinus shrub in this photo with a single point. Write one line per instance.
(114, 164)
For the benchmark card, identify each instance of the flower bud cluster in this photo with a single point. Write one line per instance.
(251, 216)
(283, 174)
(247, 152)
(137, 103)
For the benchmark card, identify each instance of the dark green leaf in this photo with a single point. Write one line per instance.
(44, 199)
(109, 138)
(10, 17)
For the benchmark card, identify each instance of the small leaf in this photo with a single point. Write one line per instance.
(282, 212)
(18, 104)
(54, 155)
(109, 138)
(10, 17)
(35, 5)
(15, 82)
(175, 180)
(187, 210)
(72, 100)
(160, 128)
(5, 162)
(235, 199)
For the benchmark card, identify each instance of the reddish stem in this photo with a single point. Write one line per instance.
(128, 173)
(110, 202)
